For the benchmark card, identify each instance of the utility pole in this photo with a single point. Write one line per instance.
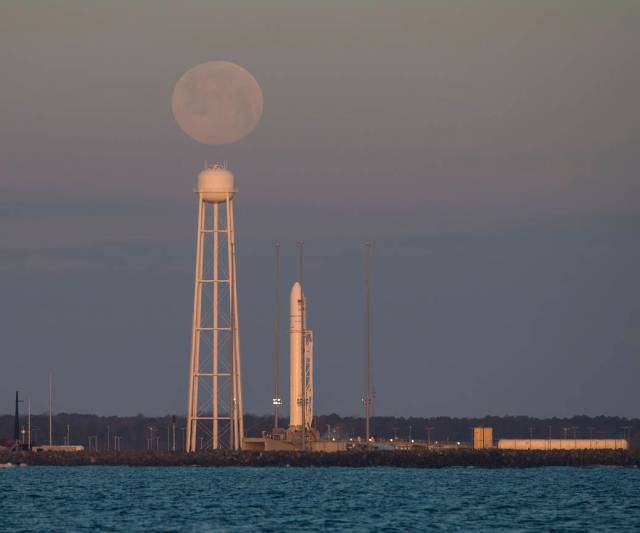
(367, 340)
(108, 437)
(277, 402)
(303, 370)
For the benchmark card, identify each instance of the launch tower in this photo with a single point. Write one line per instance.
(214, 413)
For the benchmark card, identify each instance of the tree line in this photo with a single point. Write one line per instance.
(143, 432)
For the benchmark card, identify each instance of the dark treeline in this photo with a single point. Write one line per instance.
(139, 432)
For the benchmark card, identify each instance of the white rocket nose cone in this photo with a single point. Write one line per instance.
(296, 295)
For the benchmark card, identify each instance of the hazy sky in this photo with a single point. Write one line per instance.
(490, 149)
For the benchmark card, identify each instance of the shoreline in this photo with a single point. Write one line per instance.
(490, 459)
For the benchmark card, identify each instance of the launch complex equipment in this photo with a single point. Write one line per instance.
(214, 413)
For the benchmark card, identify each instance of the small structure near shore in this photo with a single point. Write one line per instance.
(482, 438)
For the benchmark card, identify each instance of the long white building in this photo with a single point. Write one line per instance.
(563, 444)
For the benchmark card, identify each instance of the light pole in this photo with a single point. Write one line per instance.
(626, 432)
(530, 436)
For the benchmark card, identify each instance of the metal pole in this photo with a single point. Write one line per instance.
(50, 407)
(173, 427)
(194, 363)
(302, 327)
(29, 421)
(233, 423)
(367, 340)
(276, 344)
(16, 421)
(216, 325)
(235, 330)
(108, 437)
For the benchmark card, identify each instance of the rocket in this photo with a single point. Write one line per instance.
(300, 339)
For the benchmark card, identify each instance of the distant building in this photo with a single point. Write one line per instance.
(563, 444)
(482, 438)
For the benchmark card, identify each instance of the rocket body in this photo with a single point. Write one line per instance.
(300, 340)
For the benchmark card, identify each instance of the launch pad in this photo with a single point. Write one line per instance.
(301, 434)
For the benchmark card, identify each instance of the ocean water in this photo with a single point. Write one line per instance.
(318, 499)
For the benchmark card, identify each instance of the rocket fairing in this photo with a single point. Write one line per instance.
(298, 332)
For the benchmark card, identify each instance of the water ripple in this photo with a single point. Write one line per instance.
(317, 499)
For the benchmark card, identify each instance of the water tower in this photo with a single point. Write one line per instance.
(214, 414)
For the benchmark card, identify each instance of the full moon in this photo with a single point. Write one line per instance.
(217, 102)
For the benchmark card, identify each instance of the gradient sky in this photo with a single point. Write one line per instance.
(489, 148)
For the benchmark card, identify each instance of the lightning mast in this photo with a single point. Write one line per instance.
(277, 402)
(367, 400)
(303, 388)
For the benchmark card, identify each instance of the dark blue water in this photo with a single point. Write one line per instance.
(292, 499)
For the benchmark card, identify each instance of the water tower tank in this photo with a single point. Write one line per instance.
(215, 183)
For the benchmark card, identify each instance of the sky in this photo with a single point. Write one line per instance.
(489, 149)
